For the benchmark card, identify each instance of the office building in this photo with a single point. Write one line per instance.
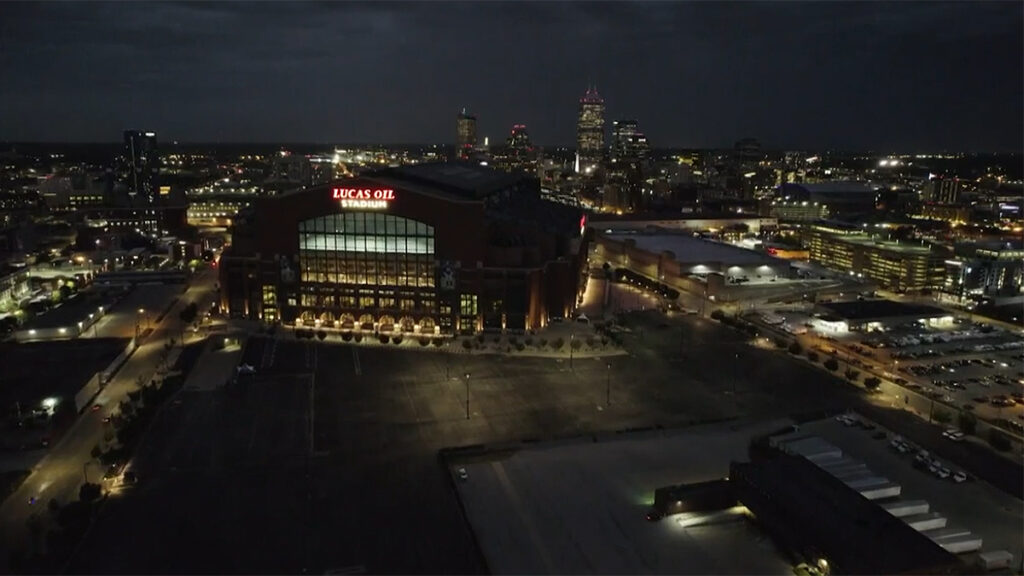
(979, 269)
(590, 131)
(803, 211)
(943, 190)
(898, 266)
(465, 138)
(423, 249)
(142, 165)
(839, 197)
(628, 142)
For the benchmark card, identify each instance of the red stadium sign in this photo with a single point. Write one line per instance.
(367, 198)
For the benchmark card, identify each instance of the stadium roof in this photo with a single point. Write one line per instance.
(464, 179)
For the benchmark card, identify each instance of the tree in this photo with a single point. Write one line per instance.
(557, 343)
(717, 315)
(467, 344)
(942, 416)
(968, 422)
(795, 349)
(872, 383)
(851, 375)
(188, 313)
(89, 492)
(577, 344)
(321, 335)
(96, 451)
(831, 365)
(812, 356)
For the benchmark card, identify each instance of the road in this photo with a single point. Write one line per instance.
(59, 475)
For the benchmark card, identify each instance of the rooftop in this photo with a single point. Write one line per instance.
(836, 187)
(465, 179)
(69, 313)
(870, 309)
(687, 248)
(857, 535)
(659, 216)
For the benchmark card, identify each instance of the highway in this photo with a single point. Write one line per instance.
(59, 474)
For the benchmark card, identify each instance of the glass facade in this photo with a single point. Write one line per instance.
(366, 262)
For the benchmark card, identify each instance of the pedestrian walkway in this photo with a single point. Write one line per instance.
(214, 368)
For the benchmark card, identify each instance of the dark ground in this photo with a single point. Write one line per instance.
(231, 484)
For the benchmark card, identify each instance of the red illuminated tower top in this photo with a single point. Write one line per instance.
(592, 97)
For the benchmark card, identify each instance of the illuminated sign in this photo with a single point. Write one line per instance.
(364, 198)
(165, 190)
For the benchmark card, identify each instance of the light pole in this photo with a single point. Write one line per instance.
(572, 338)
(467, 395)
(608, 385)
(733, 379)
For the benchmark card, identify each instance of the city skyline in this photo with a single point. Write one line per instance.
(921, 76)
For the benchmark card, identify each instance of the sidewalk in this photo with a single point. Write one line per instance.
(540, 344)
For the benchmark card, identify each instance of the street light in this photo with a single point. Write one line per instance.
(572, 337)
(467, 395)
(608, 385)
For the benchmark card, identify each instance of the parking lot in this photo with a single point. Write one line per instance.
(328, 455)
(968, 367)
(973, 505)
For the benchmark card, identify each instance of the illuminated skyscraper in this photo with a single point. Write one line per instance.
(142, 164)
(466, 134)
(590, 130)
(628, 142)
(519, 139)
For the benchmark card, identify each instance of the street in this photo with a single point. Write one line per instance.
(60, 473)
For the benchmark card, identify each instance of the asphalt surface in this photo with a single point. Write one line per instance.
(327, 458)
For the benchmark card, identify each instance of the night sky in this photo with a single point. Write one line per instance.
(904, 76)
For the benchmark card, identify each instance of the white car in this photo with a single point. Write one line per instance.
(462, 474)
(960, 477)
(943, 473)
(246, 369)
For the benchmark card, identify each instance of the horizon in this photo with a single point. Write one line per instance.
(844, 76)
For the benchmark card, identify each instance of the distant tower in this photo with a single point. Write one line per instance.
(142, 163)
(519, 138)
(465, 134)
(590, 129)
